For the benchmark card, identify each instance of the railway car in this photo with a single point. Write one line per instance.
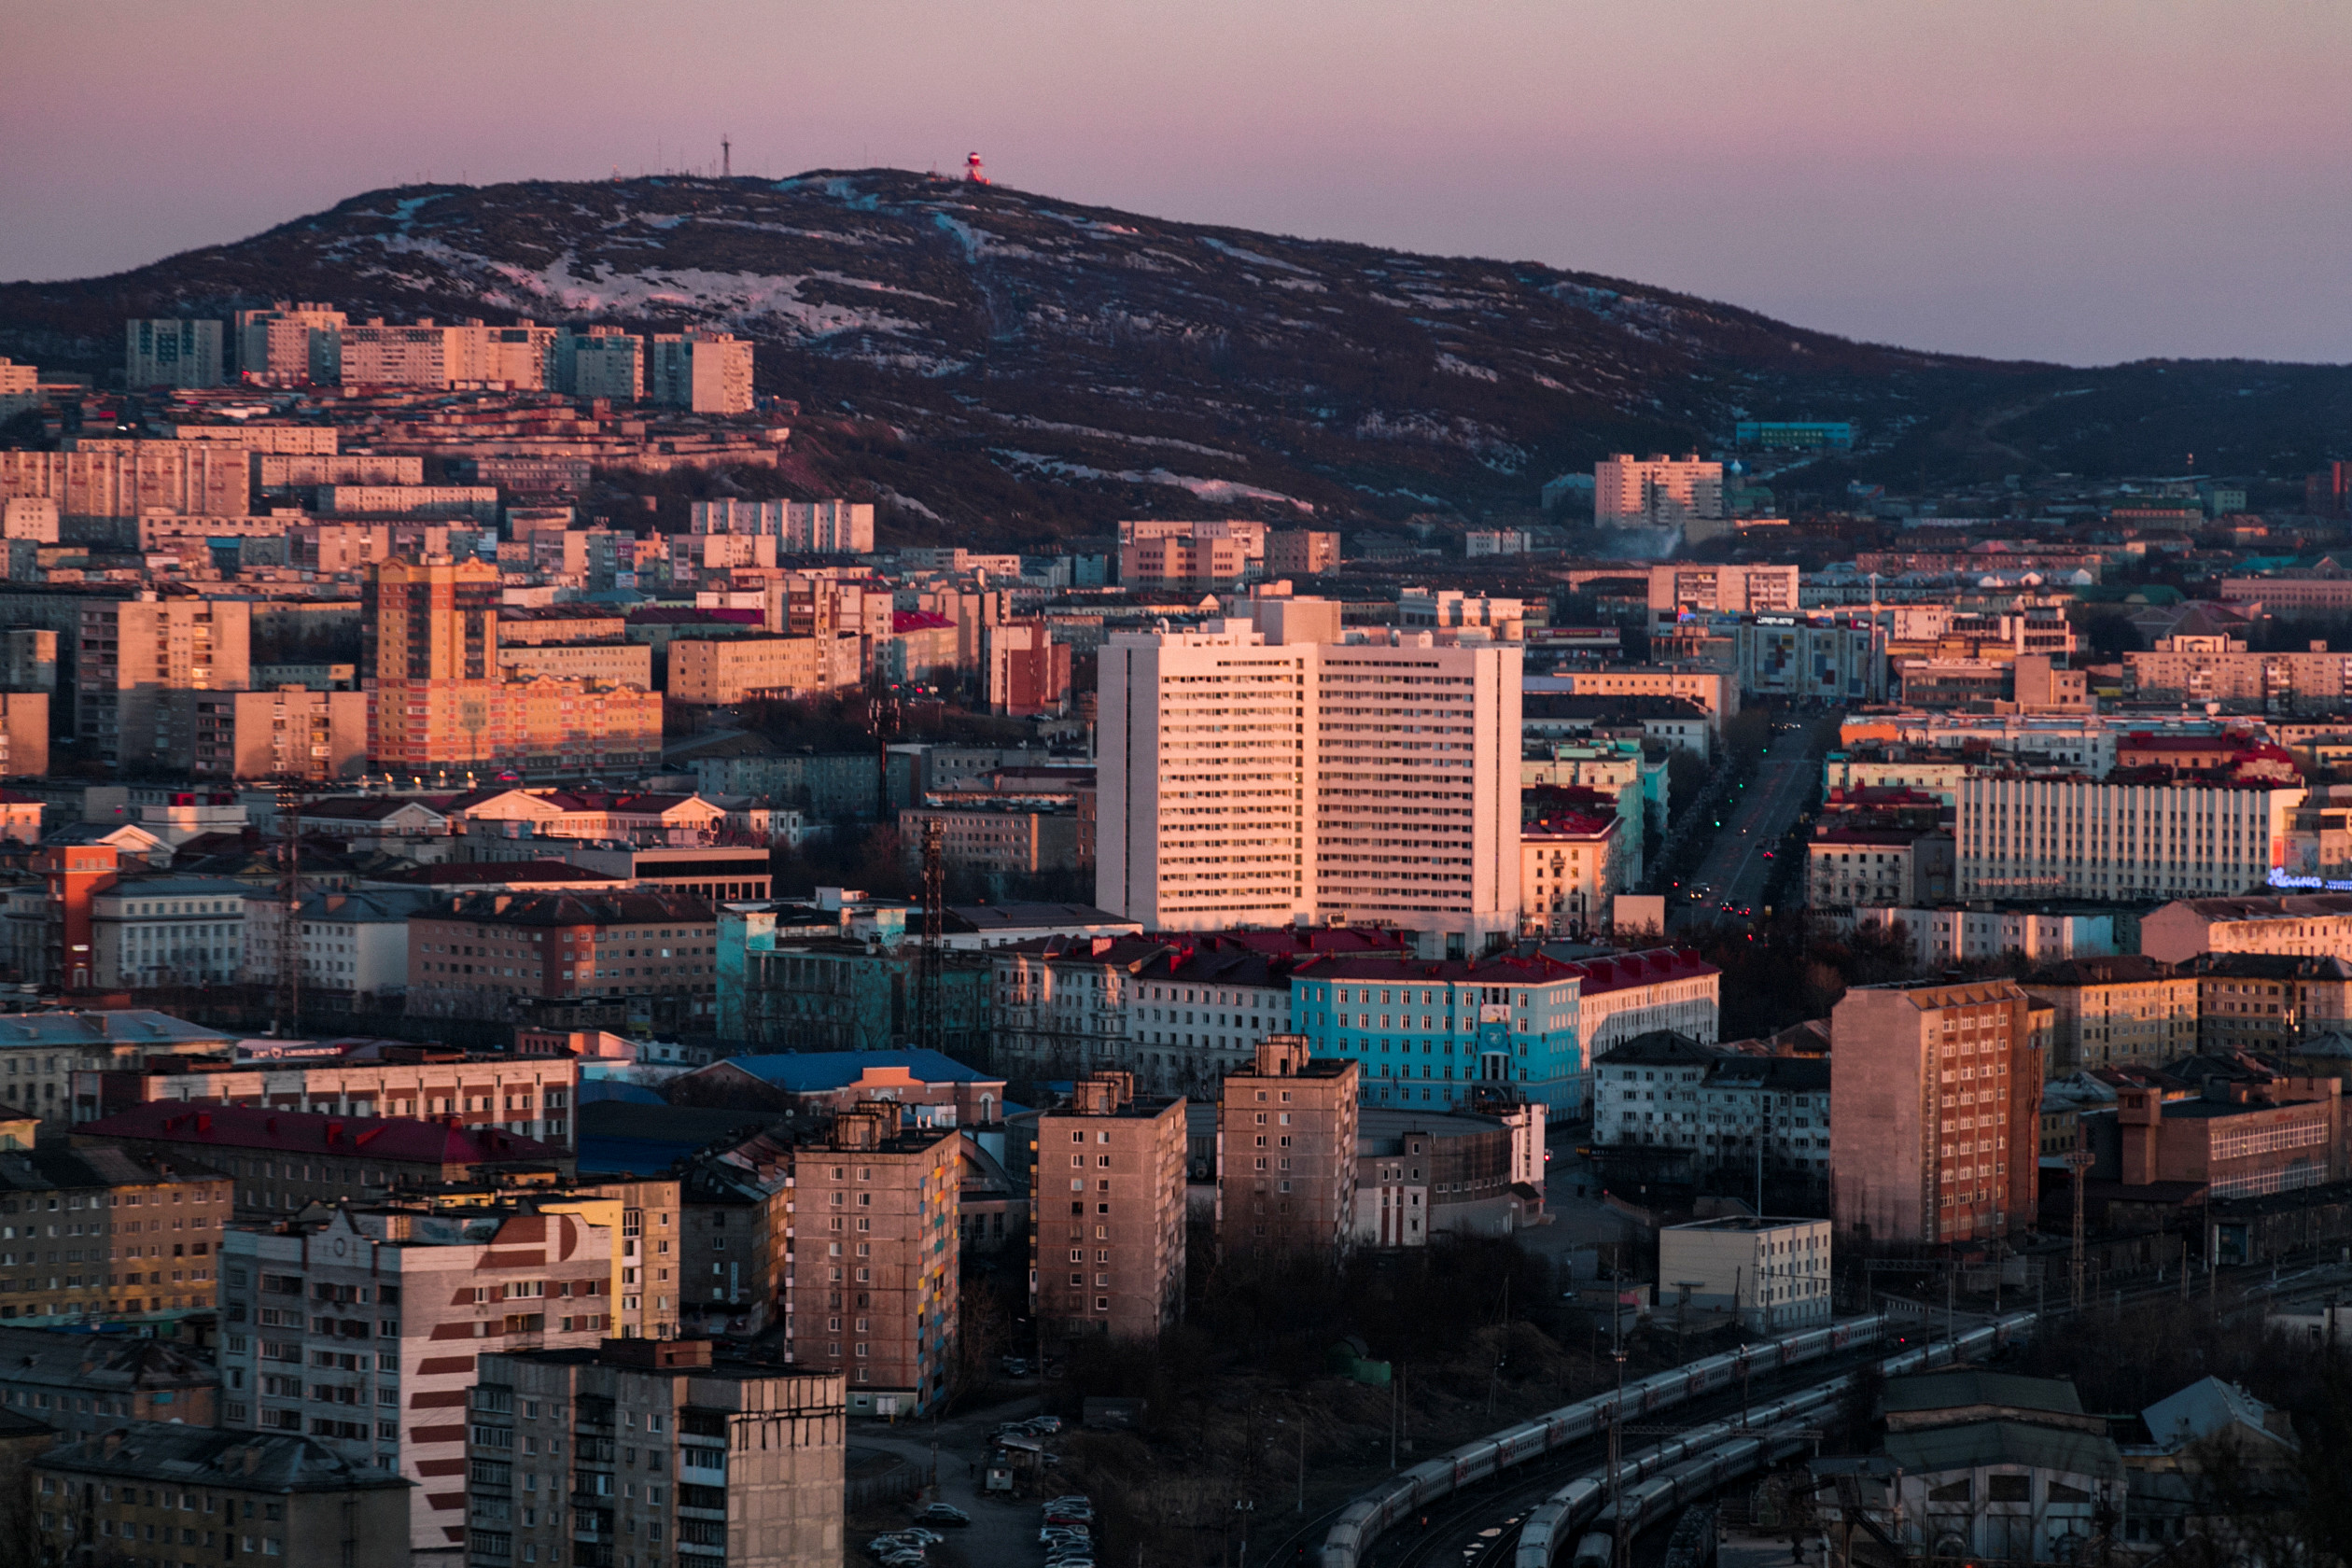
(1595, 1550)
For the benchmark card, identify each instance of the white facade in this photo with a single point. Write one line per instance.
(799, 528)
(1656, 493)
(1951, 934)
(1774, 1273)
(2067, 836)
(353, 945)
(1248, 783)
(174, 930)
(1722, 588)
(705, 372)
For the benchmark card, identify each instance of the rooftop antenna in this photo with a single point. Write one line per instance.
(726, 158)
(973, 170)
(289, 989)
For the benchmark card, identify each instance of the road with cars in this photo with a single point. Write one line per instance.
(1729, 884)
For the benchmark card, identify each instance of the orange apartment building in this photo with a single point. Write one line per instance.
(1286, 1152)
(871, 1273)
(1935, 1111)
(151, 1231)
(1107, 1206)
(438, 697)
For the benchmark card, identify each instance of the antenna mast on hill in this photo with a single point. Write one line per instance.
(726, 158)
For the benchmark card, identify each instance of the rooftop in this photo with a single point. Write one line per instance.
(402, 1140)
(615, 908)
(208, 1456)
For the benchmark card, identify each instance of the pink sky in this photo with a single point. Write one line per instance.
(2087, 181)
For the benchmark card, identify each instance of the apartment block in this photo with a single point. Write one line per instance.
(799, 528)
(1029, 673)
(1261, 783)
(601, 663)
(647, 1215)
(667, 1446)
(2268, 1001)
(1189, 556)
(489, 955)
(150, 1230)
(2022, 836)
(2299, 925)
(1301, 552)
(132, 653)
(82, 1385)
(533, 1098)
(162, 353)
(24, 730)
(167, 930)
(445, 354)
(601, 362)
(1112, 1262)
(1771, 1274)
(1715, 691)
(289, 732)
(871, 1277)
(364, 1332)
(19, 387)
(1432, 1032)
(276, 1496)
(1934, 1113)
(728, 670)
(2130, 1010)
(292, 344)
(2220, 670)
(1722, 588)
(995, 840)
(121, 478)
(1286, 1153)
(708, 373)
(1657, 492)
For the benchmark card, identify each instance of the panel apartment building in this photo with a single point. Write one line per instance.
(1286, 1153)
(132, 652)
(1269, 784)
(1107, 1207)
(2069, 836)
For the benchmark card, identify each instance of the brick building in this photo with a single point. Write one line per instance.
(1933, 1112)
(496, 955)
(2237, 1139)
(1286, 1153)
(1107, 1250)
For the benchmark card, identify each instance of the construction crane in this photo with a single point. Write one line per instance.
(931, 985)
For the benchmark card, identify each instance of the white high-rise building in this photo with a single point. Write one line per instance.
(170, 353)
(2026, 836)
(1656, 492)
(1248, 783)
(710, 372)
(799, 528)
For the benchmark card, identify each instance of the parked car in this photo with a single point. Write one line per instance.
(1016, 1366)
(944, 1516)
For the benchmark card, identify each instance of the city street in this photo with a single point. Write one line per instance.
(1735, 869)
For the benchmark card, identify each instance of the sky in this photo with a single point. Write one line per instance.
(2083, 181)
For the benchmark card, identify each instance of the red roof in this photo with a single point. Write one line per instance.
(460, 873)
(1568, 824)
(1650, 968)
(405, 1140)
(905, 620)
(680, 616)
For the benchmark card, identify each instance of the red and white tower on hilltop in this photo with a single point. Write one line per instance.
(972, 171)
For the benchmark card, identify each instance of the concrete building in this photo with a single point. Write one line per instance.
(132, 652)
(1722, 588)
(2067, 836)
(102, 485)
(290, 731)
(170, 354)
(2216, 670)
(2235, 1140)
(601, 362)
(1783, 658)
(1933, 1112)
(1682, 1110)
(275, 1496)
(480, 1092)
(80, 1384)
(1028, 671)
(1771, 1274)
(1478, 1172)
(40, 1053)
(2129, 1011)
(1880, 868)
(750, 1457)
(496, 955)
(727, 670)
(1286, 1153)
(615, 663)
(1264, 783)
(24, 734)
(426, 1294)
(1190, 555)
(1660, 491)
(290, 343)
(871, 1293)
(120, 1206)
(2297, 925)
(280, 1161)
(833, 528)
(706, 373)
(1432, 1032)
(996, 841)
(2268, 1001)
(1569, 870)
(1716, 692)
(167, 930)
(352, 947)
(1941, 935)
(1107, 1249)
(1301, 552)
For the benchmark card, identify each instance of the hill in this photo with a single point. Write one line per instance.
(997, 364)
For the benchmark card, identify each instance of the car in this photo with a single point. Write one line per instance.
(1072, 1499)
(922, 1537)
(1046, 1424)
(945, 1515)
(1064, 1531)
(1016, 1366)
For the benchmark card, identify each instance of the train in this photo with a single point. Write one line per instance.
(1657, 1482)
(1372, 1514)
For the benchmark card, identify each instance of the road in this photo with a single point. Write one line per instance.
(1735, 867)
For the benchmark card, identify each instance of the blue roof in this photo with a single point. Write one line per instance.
(815, 1071)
